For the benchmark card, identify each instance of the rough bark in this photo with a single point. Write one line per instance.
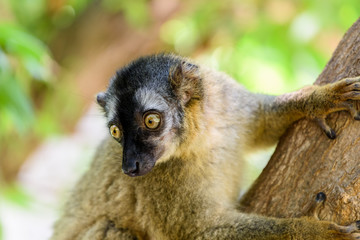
(306, 162)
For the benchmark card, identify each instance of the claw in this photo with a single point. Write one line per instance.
(319, 204)
(358, 224)
(320, 197)
(325, 127)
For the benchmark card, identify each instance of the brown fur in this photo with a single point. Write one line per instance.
(192, 194)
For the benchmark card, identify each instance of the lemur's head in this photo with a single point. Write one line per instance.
(146, 104)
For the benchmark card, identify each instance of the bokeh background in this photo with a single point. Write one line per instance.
(55, 55)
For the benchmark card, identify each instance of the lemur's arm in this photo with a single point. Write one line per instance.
(250, 227)
(242, 226)
(275, 114)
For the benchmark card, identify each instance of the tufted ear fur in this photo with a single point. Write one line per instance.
(101, 99)
(186, 82)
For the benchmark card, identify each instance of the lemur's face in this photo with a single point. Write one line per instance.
(144, 112)
(146, 125)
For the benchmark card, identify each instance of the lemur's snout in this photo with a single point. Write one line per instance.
(137, 168)
(137, 165)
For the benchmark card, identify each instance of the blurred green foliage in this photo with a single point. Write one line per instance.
(136, 12)
(16, 195)
(45, 18)
(23, 59)
(270, 46)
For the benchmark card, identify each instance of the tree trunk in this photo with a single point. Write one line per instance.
(306, 162)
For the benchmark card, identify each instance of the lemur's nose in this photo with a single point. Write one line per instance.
(131, 169)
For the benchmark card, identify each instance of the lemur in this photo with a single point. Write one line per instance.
(170, 168)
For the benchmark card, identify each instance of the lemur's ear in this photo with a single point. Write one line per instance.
(101, 99)
(186, 82)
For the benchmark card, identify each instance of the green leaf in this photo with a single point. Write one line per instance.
(136, 11)
(30, 51)
(15, 194)
(16, 111)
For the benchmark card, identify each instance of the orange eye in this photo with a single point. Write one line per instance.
(152, 120)
(115, 132)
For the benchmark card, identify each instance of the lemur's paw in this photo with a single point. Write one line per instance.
(347, 89)
(342, 95)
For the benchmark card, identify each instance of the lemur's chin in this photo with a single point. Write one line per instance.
(134, 174)
(137, 174)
